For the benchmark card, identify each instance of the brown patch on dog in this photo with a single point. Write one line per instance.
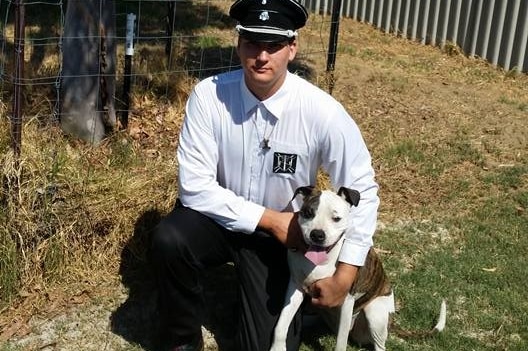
(371, 280)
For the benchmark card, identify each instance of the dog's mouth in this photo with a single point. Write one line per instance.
(317, 254)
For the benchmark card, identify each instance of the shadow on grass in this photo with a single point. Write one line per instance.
(136, 320)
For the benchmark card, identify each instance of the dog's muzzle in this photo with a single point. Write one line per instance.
(317, 236)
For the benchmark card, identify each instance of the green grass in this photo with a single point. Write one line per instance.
(476, 265)
(520, 105)
(476, 262)
(405, 151)
(207, 41)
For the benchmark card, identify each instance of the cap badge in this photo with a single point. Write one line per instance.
(264, 16)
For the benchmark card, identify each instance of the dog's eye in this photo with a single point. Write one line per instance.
(307, 212)
(336, 219)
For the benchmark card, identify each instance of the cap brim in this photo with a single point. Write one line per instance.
(264, 37)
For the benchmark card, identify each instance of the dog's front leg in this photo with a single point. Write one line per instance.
(292, 302)
(345, 321)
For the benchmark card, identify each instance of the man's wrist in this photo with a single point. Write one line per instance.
(345, 274)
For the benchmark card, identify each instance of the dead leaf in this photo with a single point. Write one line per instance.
(489, 269)
(19, 327)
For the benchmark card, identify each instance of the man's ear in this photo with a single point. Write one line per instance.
(237, 46)
(293, 50)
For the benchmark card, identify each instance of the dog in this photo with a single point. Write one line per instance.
(364, 315)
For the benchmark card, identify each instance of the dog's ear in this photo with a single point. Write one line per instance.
(350, 195)
(304, 191)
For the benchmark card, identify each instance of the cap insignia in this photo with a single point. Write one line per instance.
(264, 16)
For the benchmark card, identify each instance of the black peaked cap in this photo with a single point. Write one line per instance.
(268, 20)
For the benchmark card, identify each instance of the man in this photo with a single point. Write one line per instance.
(249, 139)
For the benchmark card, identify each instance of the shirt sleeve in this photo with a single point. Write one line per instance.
(197, 156)
(348, 162)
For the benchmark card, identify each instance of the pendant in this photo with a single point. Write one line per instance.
(265, 144)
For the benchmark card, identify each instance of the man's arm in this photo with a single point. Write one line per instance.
(332, 291)
(284, 227)
(198, 156)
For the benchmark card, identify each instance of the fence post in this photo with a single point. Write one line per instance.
(523, 42)
(16, 120)
(510, 38)
(332, 46)
(129, 52)
(487, 29)
(171, 14)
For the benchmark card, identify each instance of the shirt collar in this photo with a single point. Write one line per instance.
(249, 100)
(274, 104)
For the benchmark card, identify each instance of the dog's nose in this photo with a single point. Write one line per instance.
(318, 236)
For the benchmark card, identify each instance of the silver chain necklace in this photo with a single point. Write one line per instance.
(265, 140)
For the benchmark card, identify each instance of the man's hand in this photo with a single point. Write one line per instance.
(284, 227)
(332, 291)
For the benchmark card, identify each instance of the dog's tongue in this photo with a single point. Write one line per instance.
(316, 254)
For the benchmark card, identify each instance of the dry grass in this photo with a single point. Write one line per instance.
(69, 209)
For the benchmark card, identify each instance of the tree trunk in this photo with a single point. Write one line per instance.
(88, 74)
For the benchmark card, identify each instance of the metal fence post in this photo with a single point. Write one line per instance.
(332, 46)
(129, 52)
(16, 120)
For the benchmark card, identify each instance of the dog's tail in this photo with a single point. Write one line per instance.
(440, 325)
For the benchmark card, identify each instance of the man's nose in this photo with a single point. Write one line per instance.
(263, 54)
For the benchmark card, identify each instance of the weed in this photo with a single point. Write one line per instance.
(521, 106)
(405, 151)
(123, 155)
(206, 42)
(9, 266)
(508, 177)
(463, 150)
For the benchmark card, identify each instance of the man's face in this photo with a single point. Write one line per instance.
(265, 64)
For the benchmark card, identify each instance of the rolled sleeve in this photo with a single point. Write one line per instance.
(249, 218)
(354, 253)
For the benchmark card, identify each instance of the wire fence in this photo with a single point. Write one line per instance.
(154, 40)
(157, 40)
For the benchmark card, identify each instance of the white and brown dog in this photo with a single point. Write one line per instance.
(364, 315)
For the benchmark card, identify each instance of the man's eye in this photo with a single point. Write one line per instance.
(336, 219)
(275, 47)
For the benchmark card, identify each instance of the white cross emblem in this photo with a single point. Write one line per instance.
(284, 163)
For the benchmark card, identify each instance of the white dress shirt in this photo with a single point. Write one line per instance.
(226, 174)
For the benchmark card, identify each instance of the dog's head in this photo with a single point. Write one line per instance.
(323, 218)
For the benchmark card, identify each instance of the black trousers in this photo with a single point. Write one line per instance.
(185, 244)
